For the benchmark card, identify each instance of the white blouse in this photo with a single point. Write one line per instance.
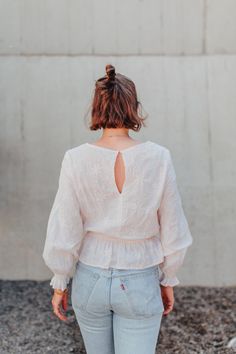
(92, 221)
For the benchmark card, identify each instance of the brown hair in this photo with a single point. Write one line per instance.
(115, 103)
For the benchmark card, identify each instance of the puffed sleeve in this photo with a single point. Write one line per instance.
(174, 229)
(64, 229)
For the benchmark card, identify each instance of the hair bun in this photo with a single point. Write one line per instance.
(110, 71)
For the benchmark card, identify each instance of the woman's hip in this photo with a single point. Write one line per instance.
(134, 293)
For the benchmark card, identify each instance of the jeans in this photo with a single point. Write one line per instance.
(119, 311)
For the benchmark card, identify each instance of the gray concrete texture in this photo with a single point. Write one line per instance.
(182, 56)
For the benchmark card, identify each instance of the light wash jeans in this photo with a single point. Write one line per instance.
(118, 311)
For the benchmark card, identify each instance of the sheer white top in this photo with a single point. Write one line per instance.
(92, 221)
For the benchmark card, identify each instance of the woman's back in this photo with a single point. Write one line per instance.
(125, 214)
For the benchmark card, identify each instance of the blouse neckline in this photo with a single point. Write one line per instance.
(118, 150)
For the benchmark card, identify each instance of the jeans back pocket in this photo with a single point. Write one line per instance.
(83, 283)
(143, 293)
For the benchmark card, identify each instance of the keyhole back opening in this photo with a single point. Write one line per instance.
(119, 173)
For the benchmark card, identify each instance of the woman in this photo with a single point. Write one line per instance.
(117, 227)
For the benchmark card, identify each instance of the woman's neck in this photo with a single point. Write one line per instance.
(115, 132)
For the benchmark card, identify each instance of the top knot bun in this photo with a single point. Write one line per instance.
(110, 71)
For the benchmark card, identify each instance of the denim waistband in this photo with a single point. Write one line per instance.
(114, 271)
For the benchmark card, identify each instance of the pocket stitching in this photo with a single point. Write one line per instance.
(157, 293)
(94, 279)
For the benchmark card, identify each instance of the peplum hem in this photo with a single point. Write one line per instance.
(103, 251)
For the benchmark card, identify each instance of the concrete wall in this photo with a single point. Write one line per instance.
(181, 55)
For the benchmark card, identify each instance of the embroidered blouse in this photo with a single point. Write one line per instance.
(91, 221)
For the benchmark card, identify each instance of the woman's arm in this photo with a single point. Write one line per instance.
(64, 229)
(170, 266)
(174, 229)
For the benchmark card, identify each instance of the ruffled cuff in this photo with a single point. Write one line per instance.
(169, 281)
(59, 281)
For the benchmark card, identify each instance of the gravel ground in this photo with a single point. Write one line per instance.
(203, 321)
